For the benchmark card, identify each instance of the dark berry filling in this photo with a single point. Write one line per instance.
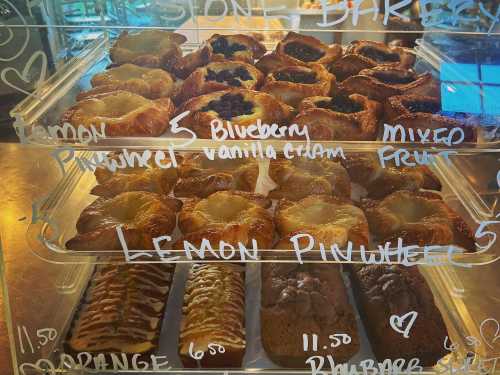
(423, 106)
(231, 77)
(340, 104)
(229, 106)
(221, 45)
(392, 78)
(296, 77)
(378, 55)
(303, 52)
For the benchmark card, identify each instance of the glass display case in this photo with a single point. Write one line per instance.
(236, 187)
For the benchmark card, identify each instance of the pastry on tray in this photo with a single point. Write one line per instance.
(385, 291)
(149, 48)
(365, 169)
(291, 84)
(141, 215)
(305, 299)
(220, 75)
(424, 112)
(153, 178)
(298, 178)
(123, 114)
(213, 316)
(365, 54)
(238, 106)
(148, 82)
(200, 176)
(332, 220)
(235, 217)
(296, 49)
(341, 117)
(382, 82)
(418, 218)
(238, 47)
(122, 309)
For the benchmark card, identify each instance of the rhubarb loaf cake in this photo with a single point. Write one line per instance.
(300, 299)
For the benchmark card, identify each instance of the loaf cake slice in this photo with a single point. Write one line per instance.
(214, 313)
(385, 290)
(122, 309)
(305, 299)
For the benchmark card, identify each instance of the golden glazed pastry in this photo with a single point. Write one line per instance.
(214, 313)
(150, 48)
(330, 220)
(123, 113)
(364, 54)
(298, 49)
(239, 106)
(220, 75)
(235, 217)
(381, 82)
(147, 82)
(298, 178)
(346, 118)
(200, 176)
(291, 84)
(142, 216)
(424, 112)
(238, 47)
(122, 309)
(152, 178)
(419, 218)
(365, 169)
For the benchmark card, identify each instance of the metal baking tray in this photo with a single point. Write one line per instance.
(45, 106)
(58, 215)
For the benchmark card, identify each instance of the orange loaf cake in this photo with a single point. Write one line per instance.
(122, 309)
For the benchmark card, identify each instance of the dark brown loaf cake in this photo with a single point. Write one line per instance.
(122, 310)
(307, 298)
(385, 290)
(214, 313)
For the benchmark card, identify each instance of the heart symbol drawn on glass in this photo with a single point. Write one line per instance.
(404, 323)
(485, 334)
(10, 8)
(24, 75)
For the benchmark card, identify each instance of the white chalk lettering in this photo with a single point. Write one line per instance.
(326, 8)
(266, 12)
(403, 157)
(494, 18)
(366, 367)
(221, 131)
(119, 363)
(85, 361)
(237, 8)
(208, 5)
(447, 136)
(407, 255)
(357, 11)
(391, 10)
(431, 13)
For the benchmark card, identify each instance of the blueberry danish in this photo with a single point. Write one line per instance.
(220, 75)
(291, 84)
(298, 49)
(242, 108)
